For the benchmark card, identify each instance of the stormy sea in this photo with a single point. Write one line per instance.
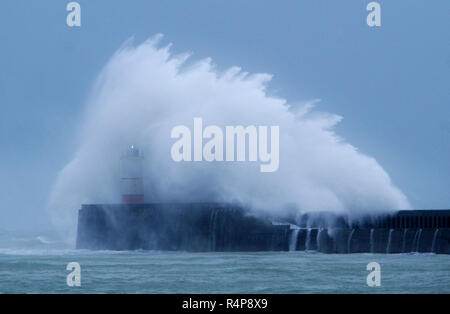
(32, 263)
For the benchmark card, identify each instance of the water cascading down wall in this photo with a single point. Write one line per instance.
(404, 232)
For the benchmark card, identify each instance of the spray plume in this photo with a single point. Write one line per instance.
(144, 91)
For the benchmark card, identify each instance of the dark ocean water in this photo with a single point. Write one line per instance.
(37, 264)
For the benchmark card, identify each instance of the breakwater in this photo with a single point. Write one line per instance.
(203, 227)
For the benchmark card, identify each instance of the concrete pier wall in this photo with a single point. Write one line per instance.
(403, 219)
(204, 227)
(388, 241)
(198, 227)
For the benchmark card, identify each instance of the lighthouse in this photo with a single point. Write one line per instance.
(131, 181)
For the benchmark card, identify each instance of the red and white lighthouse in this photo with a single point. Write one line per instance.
(131, 181)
